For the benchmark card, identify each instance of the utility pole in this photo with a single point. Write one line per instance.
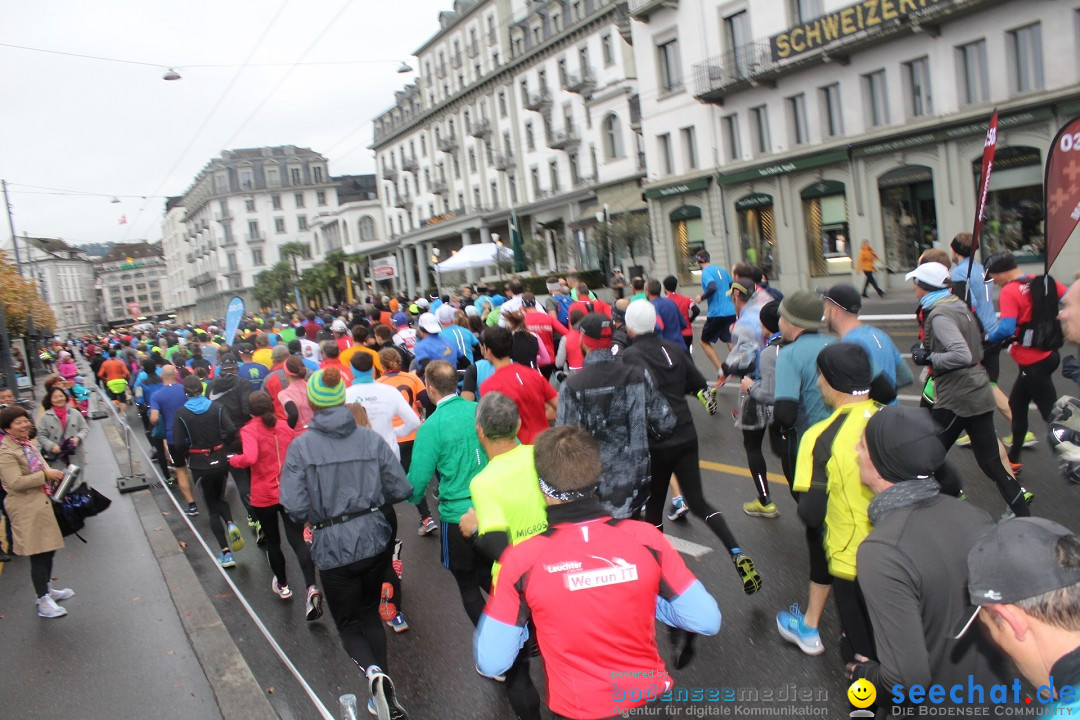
(5, 336)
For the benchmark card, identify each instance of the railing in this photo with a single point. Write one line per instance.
(201, 279)
(472, 48)
(439, 187)
(447, 143)
(563, 140)
(538, 101)
(492, 36)
(403, 201)
(223, 217)
(582, 85)
(410, 165)
(455, 60)
(584, 181)
(440, 70)
(228, 242)
(503, 163)
(480, 128)
(390, 174)
(640, 9)
(735, 67)
(254, 238)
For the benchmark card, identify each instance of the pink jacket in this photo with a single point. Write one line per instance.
(296, 393)
(264, 452)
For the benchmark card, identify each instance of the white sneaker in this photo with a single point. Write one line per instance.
(47, 608)
(282, 591)
(64, 594)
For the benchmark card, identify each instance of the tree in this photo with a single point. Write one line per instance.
(629, 232)
(22, 299)
(273, 287)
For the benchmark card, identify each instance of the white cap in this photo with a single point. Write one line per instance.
(339, 326)
(422, 302)
(429, 323)
(445, 314)
(932, 274)
(640, 317)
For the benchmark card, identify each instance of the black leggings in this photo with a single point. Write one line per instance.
(242, 478)
(785, 445)
(352, 593)
(682, 461)
(1035, 383)
(213, 490)
(524, 700)
(294, 534)
(854, 620)
(755, 459)
(471, 570)
(41, 571)
(870, 280)
(980, 428)
(406, 448)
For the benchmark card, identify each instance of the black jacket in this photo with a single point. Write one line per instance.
(676, 376)
(231, 391)
(202, 432)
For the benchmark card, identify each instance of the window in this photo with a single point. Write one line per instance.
(530, 140)
(299, 197)
(301, 222)
(737, 36)
(805, 10)
(256, 256)
(877, 101)
(279, 225)
(249, 204)
(971, 66)
(664, 144)
(317, 171)
(607, 49)
(512, 184)
(759, 129)
(800, 134)
(231, 260)
(472, 160)
(294, 176)
(502, 103)
(275, 201)
(832, 118)
(423, 145)
(494, 194)
(253, 229)
(541, 80)
(246, 180)
(583, 60)
(535, 174)
(731, 136)
(553, 171)
(667, 57)
(1025, 58)
(367, 228)
(690, 146)
(562, 72)
(273, 177)
(917, 73)
(612, 137)
(320, 198)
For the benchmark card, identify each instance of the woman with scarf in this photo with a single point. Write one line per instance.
(66, 366)
(61, 429)
(28, 482)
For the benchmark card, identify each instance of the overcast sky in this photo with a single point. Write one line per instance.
(119, 129)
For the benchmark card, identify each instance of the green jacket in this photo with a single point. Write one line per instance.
(447, 442)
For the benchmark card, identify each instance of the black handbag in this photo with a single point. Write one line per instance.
(80, 503)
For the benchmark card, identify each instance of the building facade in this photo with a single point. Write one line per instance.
(65, 276)
(522, 114)
(238, 213)
(355, 227)
(131, 282)
(179, 295)
(786, 132)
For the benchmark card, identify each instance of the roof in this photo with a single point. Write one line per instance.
(122, 251)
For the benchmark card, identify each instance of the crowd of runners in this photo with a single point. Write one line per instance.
(555, 435)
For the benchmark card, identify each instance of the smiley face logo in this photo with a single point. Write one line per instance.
(862, 693)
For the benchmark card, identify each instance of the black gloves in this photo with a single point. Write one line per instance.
(920, 355)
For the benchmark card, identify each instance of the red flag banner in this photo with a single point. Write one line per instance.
(984, 181)
(1062, 189)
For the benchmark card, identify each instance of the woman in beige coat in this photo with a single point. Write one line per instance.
(28, 481)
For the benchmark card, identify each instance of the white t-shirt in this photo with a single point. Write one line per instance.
(383, 403)
(310, 350)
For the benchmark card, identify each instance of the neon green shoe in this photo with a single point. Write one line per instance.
(756, 509)
(236, 540)
(1029, 440)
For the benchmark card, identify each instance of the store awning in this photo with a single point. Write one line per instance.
(476, 256)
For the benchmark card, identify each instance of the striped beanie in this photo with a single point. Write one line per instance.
(325, 388)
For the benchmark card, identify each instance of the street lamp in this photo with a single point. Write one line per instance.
(438, 275)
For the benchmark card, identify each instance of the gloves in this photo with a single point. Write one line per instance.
(920, 355)
(1063, 434)
(1070, 368)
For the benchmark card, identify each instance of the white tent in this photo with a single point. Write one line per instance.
(476, 256)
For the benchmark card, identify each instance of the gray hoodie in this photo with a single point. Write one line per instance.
(337, 468)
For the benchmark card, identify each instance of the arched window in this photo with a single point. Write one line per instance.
(367, 228)
(612, 135)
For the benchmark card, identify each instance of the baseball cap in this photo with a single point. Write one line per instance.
(595, 331)
(1016, 560)
(429, 323)
(399, 319)
(227, 362)
(932, 275)
(339, 326)
(445, 314)
(1001, 261)
(845, 297)
(744, 285)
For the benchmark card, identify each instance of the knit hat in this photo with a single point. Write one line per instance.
(803, 309)
(1001, 261)
(640, 317)
(323, 393)
(903, 443)
(846, 367)
(770, 316)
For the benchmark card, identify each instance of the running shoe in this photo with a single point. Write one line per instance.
(282, 591)
(192, 510)
(62, 594)
(793, 628)
(496, 678)
(757, 509)
(252, 522)
(427, 526)
(679, 508)
(387, 607)
(225, 560)
(384, 699)
(708, 399)
(398, 623)
(313, 606)
(1010, 513)
(236, 540)
(964, 440)
(1029, 440)
(751, 580)
(47, 608)
(260, 534)
(1016, 468)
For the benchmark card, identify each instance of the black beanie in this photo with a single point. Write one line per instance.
(903, 443)
(846, 367)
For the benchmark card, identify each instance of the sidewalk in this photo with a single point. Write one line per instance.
(122, 651)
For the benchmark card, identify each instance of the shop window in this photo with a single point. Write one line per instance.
(688, 230)
(757, 232)
(826, 220)
(908, 215)
(1014, 205)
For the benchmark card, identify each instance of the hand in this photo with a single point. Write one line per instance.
(467, 524)
(1070, 368)
(55, 450)
(53, 475)
(851, 670)
(920, 355)
(746, 383)
(721, 379)
(698, 299)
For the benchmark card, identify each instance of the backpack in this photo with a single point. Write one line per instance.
(563, 311)
(1044, 330)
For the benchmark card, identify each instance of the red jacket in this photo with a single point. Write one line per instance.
(264, 452)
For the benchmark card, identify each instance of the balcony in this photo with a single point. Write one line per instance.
(447, 144)
(455, 60)
(390, 174)
(584, 181)
(492, 36)
(622, 22)
(228, 242)
(537, 102)
(480, 129)
(410, 165)
(640, 9)
(403, 201)
(440, 70)
(583, 85)
(223, 217)
(503, 163)
(745, 66)
(255, 238)
(189, 257)
(564, 140)
(438, 187)
(473, 48)
(201, 279)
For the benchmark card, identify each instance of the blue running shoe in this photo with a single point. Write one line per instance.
(226, 560)
(794, 630)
